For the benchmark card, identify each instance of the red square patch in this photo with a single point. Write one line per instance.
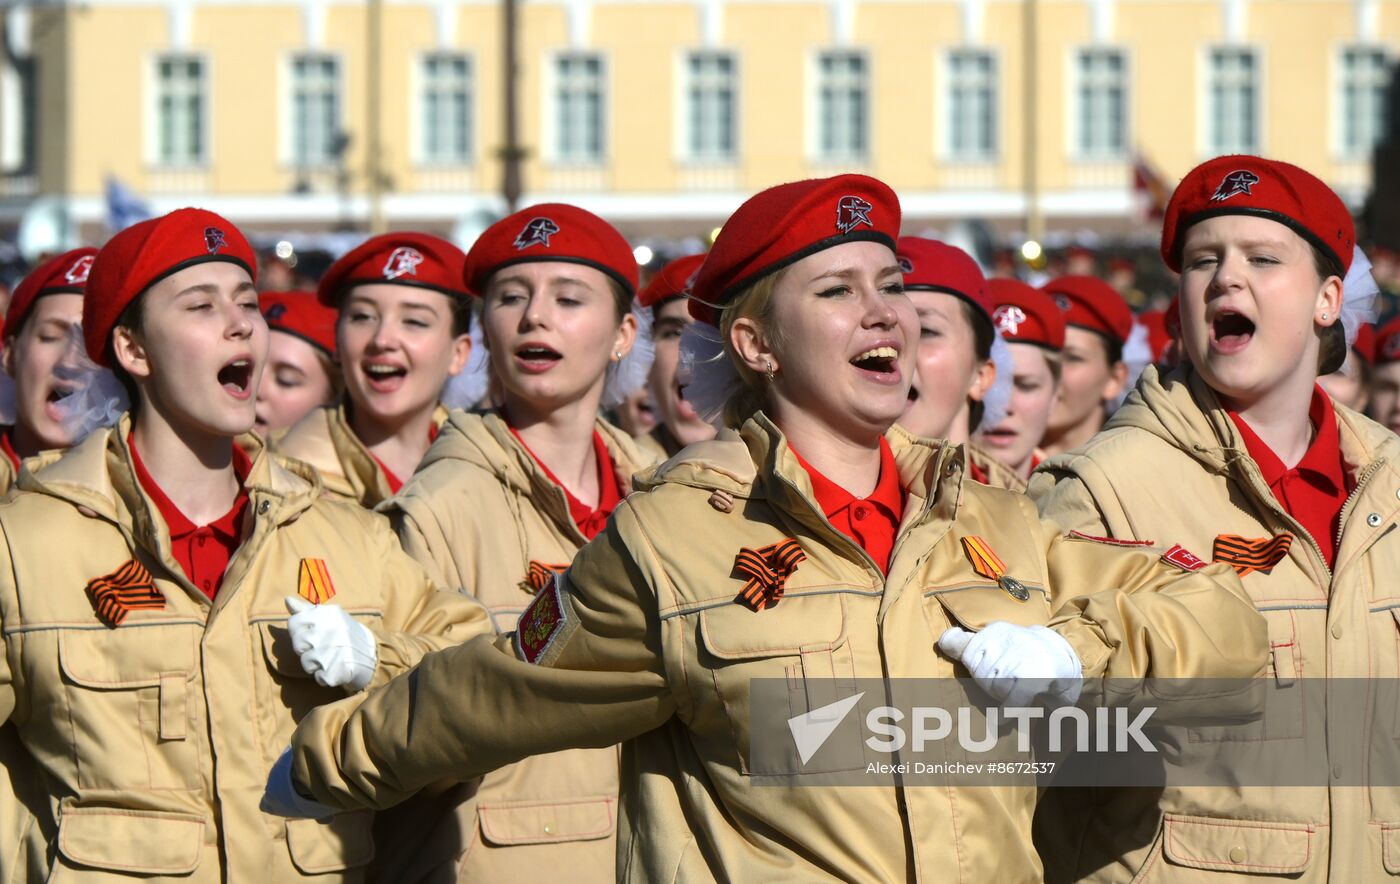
(1183, 558)
(541, 623)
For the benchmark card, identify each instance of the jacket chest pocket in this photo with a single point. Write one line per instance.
(1285, 693)
(134, 704)
(769, 667)
(284, 686)
(974, 607)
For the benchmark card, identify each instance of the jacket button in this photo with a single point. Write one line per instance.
(1336, 630)
(1237, 854)
(263, 507)
(722, 501)
(1374, 520)
(548, 829)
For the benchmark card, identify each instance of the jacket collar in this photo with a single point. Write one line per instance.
(485, 440)
(361, 470)
(1182, 409)
(755, 462)
(97, 475)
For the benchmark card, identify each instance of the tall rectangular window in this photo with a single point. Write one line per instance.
(1233, 101)
(447, 109)
(1101, 104)
(1364, 77)
(316, 109)
(972, 106)
(579, 108)
(843, 106)
(180, 99)
(711, 107)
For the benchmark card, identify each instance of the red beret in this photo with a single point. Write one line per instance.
(1026, 315)
(784, 224)
(671, 281)
(551, 232)
(1158, 337)
(1246, 185)
(1365, 343)
(1388, 342)
(1091, 303)
(143, 254)
(63, 274)
(933, 266)
(405, 258)
(300, 314)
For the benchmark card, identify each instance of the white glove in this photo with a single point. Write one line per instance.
(281, 798)
(333, 647)
(1015, 664)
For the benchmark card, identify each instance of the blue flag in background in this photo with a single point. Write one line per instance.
(124, 208)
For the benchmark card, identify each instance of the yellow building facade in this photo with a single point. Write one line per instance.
(662, 115)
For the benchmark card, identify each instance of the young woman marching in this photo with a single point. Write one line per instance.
(302, 374)
(506, 498)
(808, 542)
(145, 582)
(1093, 373)
(678, 424)
(1350, 385)
(43, 329)
(1034, 328)
(958, 385)
(404, 330)
(1238, 451)
(1385, 382)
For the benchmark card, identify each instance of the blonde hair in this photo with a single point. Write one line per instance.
(755, 303)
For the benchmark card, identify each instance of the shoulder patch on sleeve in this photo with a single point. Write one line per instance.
(1111, 541)
(544, 624)
(1183, 558)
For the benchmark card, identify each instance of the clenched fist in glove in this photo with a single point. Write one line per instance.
(281, 797)
(334, 648)
(1015, 664)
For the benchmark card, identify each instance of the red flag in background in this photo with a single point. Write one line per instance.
(1150, 190)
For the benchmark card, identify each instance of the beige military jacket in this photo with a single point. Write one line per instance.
(154, 737)
(325, 440)
(19, 787)
(998, 474)
(653, 648)
(478, 514)
(1170, 464)
(656, 446)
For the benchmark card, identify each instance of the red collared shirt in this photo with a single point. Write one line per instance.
(203, 551)
(872, 522)
(590, 520)
(1314, 491)
(395, 483)
(978, 474)
(8, 447)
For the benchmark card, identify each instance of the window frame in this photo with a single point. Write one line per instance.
(289, 116)
(1074, 130)
(421, 135)
(947, 151)
(1207, 145)
(154, 122)
(552, 128)
(816, 153)
(684, 153)
(1342, 151)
